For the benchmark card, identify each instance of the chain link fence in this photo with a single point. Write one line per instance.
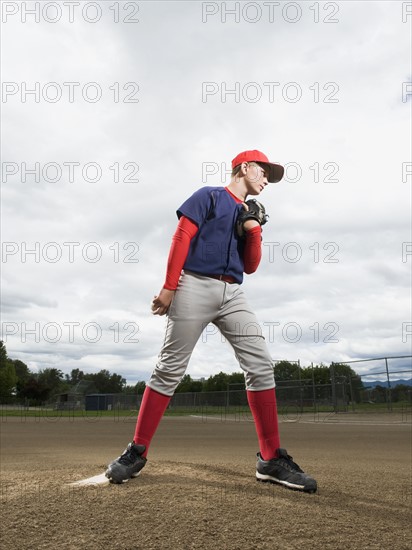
(297, 395)
(372, 388)
(378, 382)
(341, 394)
(95, 402)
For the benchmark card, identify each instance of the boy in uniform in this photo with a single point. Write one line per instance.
(218, 238)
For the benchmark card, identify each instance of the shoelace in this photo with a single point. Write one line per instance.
(128, 457)
(289, 464)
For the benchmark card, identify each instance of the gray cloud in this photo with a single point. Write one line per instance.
(361, 220)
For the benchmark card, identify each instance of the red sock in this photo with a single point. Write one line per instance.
(265, 414)
(151, 411)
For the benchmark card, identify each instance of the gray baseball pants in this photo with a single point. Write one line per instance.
(201, 300)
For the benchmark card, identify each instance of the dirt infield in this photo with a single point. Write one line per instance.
(198, 489)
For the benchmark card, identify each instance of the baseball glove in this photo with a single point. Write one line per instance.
(256, 212)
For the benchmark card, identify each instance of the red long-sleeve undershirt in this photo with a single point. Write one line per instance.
(186, 230)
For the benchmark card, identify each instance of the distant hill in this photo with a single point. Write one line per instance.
(384, 383)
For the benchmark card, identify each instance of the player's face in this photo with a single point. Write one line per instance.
(256, 177)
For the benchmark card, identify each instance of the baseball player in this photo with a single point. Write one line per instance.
(218, 238)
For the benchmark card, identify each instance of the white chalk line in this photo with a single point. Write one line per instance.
(329, 421)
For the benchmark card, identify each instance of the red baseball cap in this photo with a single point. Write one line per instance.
(276, 171)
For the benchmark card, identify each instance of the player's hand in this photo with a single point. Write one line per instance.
(161, 303)
(251, 223)
(252, 215)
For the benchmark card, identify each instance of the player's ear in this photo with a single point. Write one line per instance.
(243, 168)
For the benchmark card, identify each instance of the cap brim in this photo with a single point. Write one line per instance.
(276, 172)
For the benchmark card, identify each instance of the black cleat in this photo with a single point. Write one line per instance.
(127, 465)
(284, 471)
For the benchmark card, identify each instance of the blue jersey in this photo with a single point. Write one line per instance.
(216, 248)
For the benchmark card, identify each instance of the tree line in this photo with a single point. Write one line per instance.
(19, 384)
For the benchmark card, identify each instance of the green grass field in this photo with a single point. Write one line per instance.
(239, 410)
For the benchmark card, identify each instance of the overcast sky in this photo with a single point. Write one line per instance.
(158, 106)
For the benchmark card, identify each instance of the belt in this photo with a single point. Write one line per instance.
(224, 278)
